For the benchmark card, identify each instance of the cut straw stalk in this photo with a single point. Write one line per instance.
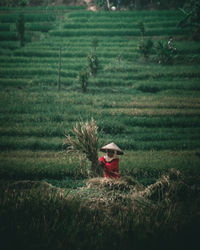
(85, 141)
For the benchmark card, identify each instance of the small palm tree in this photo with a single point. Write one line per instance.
(85, 141)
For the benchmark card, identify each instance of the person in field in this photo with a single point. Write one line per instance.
(110, 162)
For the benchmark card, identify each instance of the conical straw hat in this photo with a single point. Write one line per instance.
(112, 146)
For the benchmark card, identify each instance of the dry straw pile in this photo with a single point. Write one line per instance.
(127, 192)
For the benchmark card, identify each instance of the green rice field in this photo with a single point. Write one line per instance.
(142, 106)
(150, 110)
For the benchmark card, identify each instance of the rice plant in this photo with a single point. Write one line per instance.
(85, 141)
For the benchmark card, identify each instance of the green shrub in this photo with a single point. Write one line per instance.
(93, 63)
(102, 4)
(94, 43)
(146, 47)
(83, 80)
(191, 18)
(164, 55)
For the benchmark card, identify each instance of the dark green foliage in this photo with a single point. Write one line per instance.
(102, 4)
(15, 3)
(191, 18)
(164, 54)
(93, 63)
(145, 48)
(23, 3)
(141, 27)
(20, 27)
(94, 43)
(163, 4)
(83, 80)
(148, 4)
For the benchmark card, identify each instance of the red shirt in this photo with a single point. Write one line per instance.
(111, 169)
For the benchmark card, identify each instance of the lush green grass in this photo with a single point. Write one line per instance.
(11, 18)
(36, 120)
(146, 166)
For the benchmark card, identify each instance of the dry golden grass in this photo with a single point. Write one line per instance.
(103, 193)
(167, 187)
(122, 202)
(127, 193)
(121, 184)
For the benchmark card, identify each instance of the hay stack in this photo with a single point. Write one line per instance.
(122, 184)
(168, 187)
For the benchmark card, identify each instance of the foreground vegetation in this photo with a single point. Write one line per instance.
(106, 214)
(149, 109)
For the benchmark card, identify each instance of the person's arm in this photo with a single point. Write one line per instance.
(101, 164)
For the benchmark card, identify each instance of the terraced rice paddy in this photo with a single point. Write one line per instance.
(141, 105)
